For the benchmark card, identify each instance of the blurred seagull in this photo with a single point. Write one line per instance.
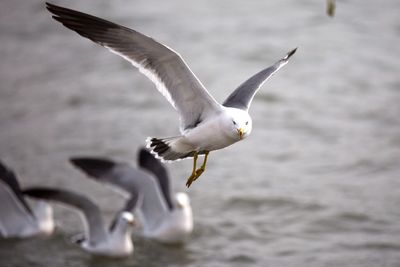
(206, 125)
(18, 218)
(164, 218)
(114, 242)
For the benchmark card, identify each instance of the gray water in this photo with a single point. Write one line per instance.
(316, 184)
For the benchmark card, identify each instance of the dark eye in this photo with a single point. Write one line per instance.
(247, 122)
(234, 122)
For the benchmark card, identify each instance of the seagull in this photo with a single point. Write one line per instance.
(205, 125)
(165, 217)
(97, 240)
(18, 218)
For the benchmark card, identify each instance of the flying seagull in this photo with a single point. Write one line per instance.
(114, 242)
(165, 217)
(18, 217)
(205, 124)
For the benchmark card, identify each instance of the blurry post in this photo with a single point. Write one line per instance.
(330, 7)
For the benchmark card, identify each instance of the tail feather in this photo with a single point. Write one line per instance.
(163, 149)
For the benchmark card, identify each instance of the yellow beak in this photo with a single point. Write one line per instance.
(240, 132)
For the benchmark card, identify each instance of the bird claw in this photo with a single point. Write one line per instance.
(191, 179)
(195, 175)
(198, 173)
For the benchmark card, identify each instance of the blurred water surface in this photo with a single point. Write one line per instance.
(316, 184)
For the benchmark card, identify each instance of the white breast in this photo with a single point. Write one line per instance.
(210, 135)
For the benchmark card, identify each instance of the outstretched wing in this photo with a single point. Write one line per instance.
(147, 161)
(94, 221)
(14, 217)
(131, 180)
(9, 178)
(160, 64)
(243, 95)
(131, 205)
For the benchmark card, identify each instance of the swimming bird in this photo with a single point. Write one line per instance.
(165, 217)
(114, 242)
(20, 218)
(205, 125)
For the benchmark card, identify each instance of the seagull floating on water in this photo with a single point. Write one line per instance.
(18, 218)
(114, 242)
(205, 124)
(165, 217)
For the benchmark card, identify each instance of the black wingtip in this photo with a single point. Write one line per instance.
(53, 6)
(9, 177)
(39, 192)
(143, 154)
(4, 171)
(289, 54)
(45, 193)
(50, 7)
(147, 160)
(93, 167)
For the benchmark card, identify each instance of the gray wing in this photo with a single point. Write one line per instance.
(131, 205)
(153, 207)
(14, 217)
(9, 177)
(160, 64)
(94, 221)
(243, 95)
(147, 161)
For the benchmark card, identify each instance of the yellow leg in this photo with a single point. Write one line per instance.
(203, 166)
(192, 177)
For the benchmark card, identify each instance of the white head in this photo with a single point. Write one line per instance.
(123, 223)
(238, 123)
(127, 218)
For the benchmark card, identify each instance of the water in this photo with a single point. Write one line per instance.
(316, 183)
